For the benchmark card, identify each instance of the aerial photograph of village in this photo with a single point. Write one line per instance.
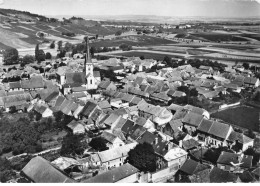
(137, 91)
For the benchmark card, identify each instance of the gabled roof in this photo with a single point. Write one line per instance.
(113, 175)
(14, 85)
(205, 125)
(104, 84)
(104, 104)
(250, 80)
(75, 78)
(127, 127)
(227, 157)
(220, 176)
(189, 166)
(189, 144)
(220, 130)
(192, 119)
(140, 121)
(108, 136)
(34, 82)
(136, 132)
(40, 170)
(111, 119)
(115, 153)
(88, 108)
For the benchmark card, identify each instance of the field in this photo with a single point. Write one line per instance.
(134, 40)
(147, 55)
(246, 117)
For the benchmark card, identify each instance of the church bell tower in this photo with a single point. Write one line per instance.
(88, 65)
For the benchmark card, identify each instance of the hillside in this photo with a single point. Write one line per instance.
(21, 29)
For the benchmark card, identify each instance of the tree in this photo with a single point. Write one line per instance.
(142, 157)
(168, 60)
(142, 57)
(59, 45)
(48, 55)
(252, 152)
(68, 47)
(10, 56)
(194, 92)
(92, 51)
(62, 53)
(52, 45)
(118, 33)
(37, 52)
(125, 47)
(73, 145)
(98, 144)
(246, 65)
(6, 172)
(41, 56)
(251, 134)
(27, 59)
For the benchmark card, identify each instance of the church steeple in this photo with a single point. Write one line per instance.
(88, 66)
(87, 57)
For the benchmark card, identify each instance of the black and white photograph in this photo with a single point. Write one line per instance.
(129, 91)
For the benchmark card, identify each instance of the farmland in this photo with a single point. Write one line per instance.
(246, 117)
(146, 54)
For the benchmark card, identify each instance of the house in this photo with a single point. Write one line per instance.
(39, 170)
(123, 174)
(214, 133)
(172, 127)
(107, 85)
(91, 110)
(146, 123)
(88, 78)
(19, 101)
(220, 176)
(112, 140)
(34, 83)
(240, 141)
(43, 111)
(76, 127)
(189, 169)
(114, 157)
(191, 121)
(234, 162)
(111, 120)
(207, 69)
(251, 82)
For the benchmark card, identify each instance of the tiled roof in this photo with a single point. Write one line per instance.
(193, 119)
(220, 130)
(113, 175)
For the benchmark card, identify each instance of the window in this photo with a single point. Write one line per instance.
(91, 81)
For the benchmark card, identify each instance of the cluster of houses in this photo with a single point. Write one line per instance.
(136, 110)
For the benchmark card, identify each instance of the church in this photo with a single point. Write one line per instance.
(88, 78)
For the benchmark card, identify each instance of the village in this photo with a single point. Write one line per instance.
(128, 120)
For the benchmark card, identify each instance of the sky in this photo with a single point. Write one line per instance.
(182, 8)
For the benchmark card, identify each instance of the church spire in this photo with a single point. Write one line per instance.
(88, 57)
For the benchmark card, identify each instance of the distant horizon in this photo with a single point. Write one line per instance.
(165, 8)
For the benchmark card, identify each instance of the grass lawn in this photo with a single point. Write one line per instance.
(246, 117)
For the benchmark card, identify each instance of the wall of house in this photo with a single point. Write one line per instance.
(114, 163)
(130, 179)
(215, 142)
(177, 162)
(47, 113)
(161, 175)
(247, 145)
